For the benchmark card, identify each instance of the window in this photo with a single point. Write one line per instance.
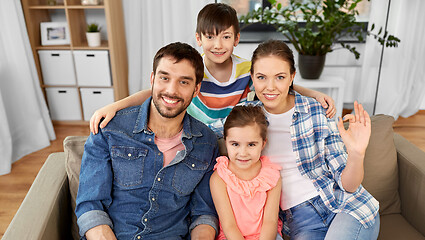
(259, 32)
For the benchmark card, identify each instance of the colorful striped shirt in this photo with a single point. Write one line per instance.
(321, 156)
(216, 99)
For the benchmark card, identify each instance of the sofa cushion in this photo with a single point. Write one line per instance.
(395, 226)
(74, 149)
(380, 165)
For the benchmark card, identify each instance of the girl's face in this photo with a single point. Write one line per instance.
(244, 146)
(272, 79)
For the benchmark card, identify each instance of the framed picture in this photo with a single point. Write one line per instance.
(54, 33)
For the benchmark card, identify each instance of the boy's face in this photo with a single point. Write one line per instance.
(218, 48)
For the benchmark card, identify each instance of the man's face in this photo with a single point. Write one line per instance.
(173, 86)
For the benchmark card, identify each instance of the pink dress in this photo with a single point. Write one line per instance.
(248, 198)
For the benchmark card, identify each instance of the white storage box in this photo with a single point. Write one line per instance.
(92, 68)
(57, 67)
(95, 98)
(64, 103)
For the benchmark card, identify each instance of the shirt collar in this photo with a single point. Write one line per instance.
(301, 103)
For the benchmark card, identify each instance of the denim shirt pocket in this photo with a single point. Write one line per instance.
(187, 175)
(127, 165)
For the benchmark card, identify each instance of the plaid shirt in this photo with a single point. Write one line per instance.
(321, 156)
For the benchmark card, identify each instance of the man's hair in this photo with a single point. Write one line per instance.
(180, 51)
(249, 115)
(215, 18)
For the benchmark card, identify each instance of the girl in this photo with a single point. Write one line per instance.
(321, 196)
(246, 186)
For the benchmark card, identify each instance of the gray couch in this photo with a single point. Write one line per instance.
(394, 174)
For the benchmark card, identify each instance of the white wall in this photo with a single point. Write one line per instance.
(338, 63)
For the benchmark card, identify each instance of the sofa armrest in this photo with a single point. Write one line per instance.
(411, 164)
(44, 213)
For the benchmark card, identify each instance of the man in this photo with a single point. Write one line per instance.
(146, 175)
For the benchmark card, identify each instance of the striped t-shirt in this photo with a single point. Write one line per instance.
(216, 99)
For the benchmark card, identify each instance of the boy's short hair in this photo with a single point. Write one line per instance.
(215, 18)
(180, 51)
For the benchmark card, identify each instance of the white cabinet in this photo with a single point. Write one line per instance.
(57, 67)
(63, 103)
(95, 98)
(92, 68)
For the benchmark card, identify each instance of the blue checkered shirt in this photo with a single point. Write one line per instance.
(321, 156)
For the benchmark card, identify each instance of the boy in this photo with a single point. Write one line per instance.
(226, 82)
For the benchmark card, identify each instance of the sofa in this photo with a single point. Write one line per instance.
(394, 175)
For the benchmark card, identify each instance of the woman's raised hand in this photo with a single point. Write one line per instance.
(356, 137)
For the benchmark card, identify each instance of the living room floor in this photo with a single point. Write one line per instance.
(14, 186)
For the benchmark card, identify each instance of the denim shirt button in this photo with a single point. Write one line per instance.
(138, 237)
(150, 139)
(159, 179)
(193, 165)
(153, 199)
(146, 220)
(159, 154)
(129, 154)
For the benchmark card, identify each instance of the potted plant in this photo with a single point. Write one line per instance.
(93, 34)
(315, 27)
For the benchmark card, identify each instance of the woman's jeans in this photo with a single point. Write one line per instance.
(312, 220)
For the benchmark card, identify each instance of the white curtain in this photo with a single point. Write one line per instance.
(402, 81)
(150, 25)
(25, 125)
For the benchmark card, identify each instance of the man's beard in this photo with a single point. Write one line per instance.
(164, 112)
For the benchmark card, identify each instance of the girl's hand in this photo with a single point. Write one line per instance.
(356, 137)
(107, 113)
(327, 102)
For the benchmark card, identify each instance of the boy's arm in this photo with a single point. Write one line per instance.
(224, 208)
(325, 100)
(108, 112)
(271, 212)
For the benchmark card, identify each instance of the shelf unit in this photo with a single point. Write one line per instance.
(75, 14)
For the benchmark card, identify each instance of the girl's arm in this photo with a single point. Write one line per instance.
(224, 208)
(271, 212)
(108, 111)
(325, 100)
(356, 139)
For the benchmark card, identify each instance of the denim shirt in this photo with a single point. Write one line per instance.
(123, 183)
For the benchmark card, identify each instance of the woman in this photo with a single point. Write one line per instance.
(321, 193)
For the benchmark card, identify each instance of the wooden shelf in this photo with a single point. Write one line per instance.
(86, 7)
(53, 47)
(77, 15)
(47, 7)
(85, 46)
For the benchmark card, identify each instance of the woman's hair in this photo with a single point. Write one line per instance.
(275, 48)
(242, 116)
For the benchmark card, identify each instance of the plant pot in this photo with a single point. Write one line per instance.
(311, 66)
(93, 39)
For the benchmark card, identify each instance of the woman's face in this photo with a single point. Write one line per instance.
(272, 79)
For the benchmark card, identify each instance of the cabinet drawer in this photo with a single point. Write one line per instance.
(92, 68)
(64, 103)
(57, 67)
(95, 98)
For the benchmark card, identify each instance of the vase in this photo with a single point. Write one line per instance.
(311, 66)
(93, 39)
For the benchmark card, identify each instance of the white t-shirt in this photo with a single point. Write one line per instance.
(296, 188)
